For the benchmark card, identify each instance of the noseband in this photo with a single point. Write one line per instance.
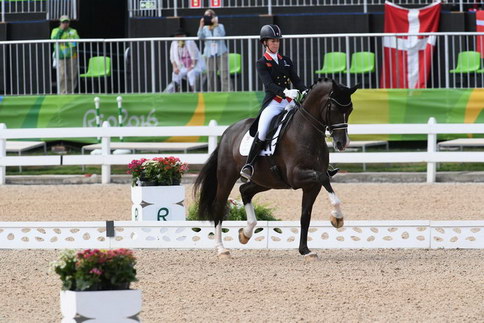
(321, 127)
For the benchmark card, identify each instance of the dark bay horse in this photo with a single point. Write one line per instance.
(301, 155)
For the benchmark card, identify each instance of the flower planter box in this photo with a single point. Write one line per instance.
(158, 203)
(104, 306)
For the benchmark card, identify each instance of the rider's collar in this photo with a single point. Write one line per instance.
(269, 56)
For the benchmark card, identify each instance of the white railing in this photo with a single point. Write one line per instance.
(53, 9)
(141, 65)
(154, 8)
(431, 156)
(271, 235)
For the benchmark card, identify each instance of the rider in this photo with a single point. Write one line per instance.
(275, 71)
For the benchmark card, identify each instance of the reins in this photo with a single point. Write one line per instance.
(318, 125)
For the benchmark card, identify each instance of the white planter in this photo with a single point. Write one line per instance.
(158, 203)
(101, 306)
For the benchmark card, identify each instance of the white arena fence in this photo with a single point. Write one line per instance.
(269, 235)
(213, 131)
(141, 65)
(53, 9)
(158, 8)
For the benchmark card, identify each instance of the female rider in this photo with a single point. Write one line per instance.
(276, 72)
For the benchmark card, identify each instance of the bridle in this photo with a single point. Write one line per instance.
(321, 127)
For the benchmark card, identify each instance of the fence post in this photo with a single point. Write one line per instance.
(269, 7)
(249, 48)
(119, 99)
(3, 153)
(365, 6)
(3, 11)
(74, 9)
(106, 152)
(212, 140)
(347, 42)
(153, 62)
(431, 150)
(175, 8)
(446, 54)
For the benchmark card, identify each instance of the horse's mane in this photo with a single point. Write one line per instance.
(317, 82)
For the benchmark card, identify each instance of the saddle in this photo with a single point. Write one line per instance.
(277, 128)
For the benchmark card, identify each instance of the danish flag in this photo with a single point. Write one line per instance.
(480, 28)
(407, 59)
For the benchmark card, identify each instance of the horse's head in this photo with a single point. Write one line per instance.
(336, 113)
(328, 106)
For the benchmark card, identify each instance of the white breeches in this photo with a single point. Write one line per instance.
(273, 109)
(191, 76)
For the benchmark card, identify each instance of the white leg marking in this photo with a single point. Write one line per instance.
(218, 238)
(251, 220)
(335, 202)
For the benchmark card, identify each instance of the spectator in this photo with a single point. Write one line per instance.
(186, 61)
(215, 51)
(66, 63)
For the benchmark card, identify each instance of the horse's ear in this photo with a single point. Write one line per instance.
(336, 86)
(354, 88)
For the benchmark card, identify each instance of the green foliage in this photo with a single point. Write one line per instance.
(237, 212)
(96, 269)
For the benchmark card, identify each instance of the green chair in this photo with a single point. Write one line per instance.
(334, 62)
(467, 62)
(98, 66)
(362, 62)
(235, 63)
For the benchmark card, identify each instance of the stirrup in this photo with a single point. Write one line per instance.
(246, 176)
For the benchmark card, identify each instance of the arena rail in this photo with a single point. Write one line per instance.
(269, 235)
(213, 131)
(142, 65)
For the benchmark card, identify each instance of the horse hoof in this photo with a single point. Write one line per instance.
(224, 255)
(311, 257)
(337, 222)
(242, 238)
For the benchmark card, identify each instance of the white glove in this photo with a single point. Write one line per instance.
(291, 93)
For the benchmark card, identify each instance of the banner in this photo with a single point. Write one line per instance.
(407, 59)
(480, 29)
(215, 3)
(195, 4)
(196, 109)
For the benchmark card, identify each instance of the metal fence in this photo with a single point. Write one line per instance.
(154, 8)
(52, 9)
(143, 65)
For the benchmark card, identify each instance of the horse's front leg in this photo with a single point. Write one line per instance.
(336, 217)
(309, 181)
(309, 196)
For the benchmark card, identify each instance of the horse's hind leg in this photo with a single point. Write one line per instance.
(336, 217)
(248, 191)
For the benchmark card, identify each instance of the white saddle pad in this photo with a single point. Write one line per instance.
(246, 143)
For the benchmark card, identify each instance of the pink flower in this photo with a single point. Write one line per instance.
(95, 271)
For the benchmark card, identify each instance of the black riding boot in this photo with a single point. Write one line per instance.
(248, 169)
(332, 172)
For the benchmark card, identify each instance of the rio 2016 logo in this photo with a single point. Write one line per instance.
(149, 120)
(162, 214)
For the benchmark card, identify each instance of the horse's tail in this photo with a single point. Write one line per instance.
(206, 183)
